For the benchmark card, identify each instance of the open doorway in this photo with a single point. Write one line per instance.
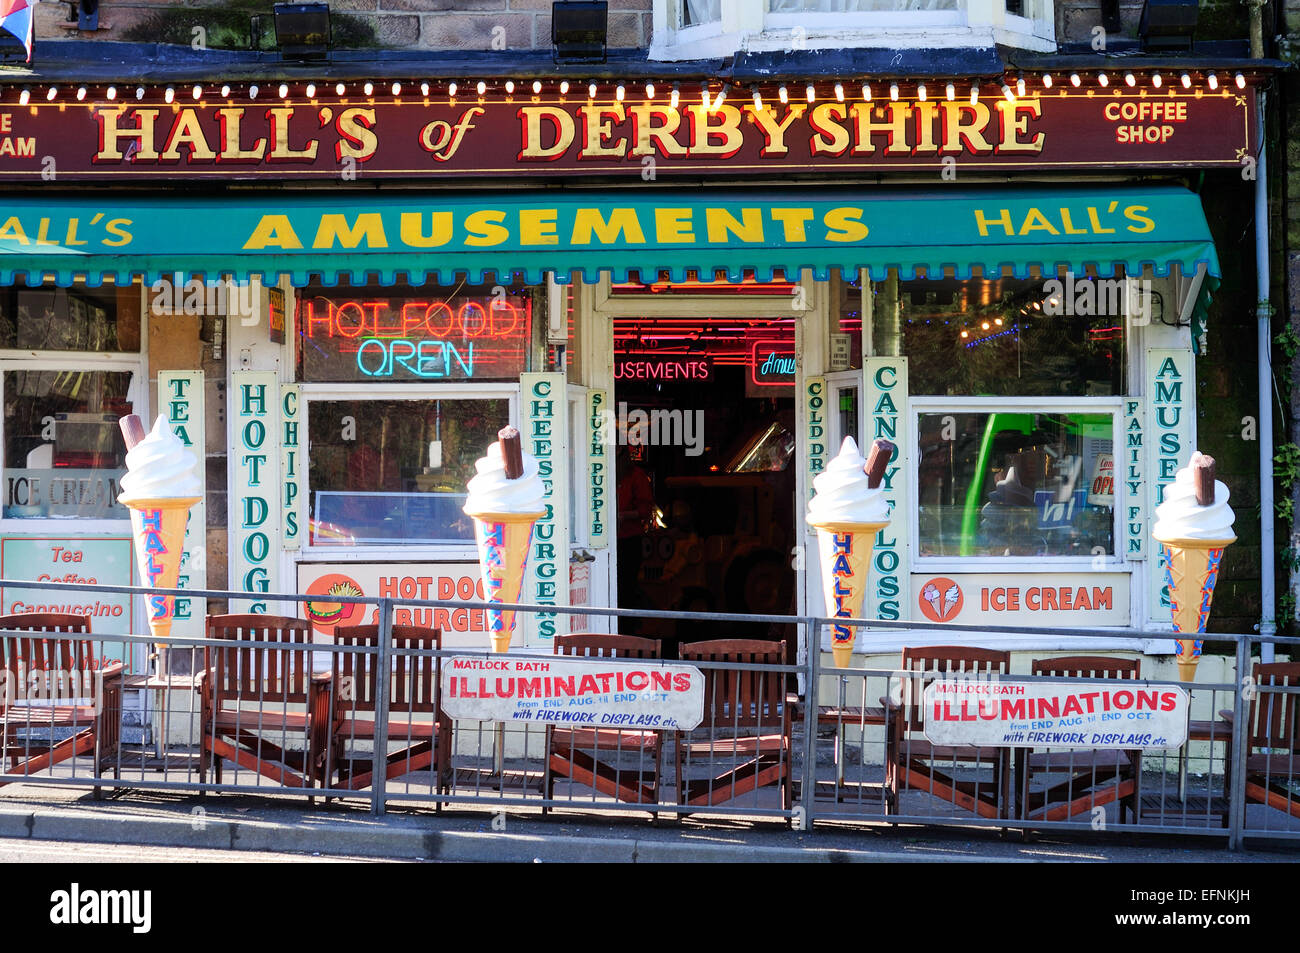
(706, 471)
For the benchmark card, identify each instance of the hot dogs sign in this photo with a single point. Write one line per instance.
(448, 131)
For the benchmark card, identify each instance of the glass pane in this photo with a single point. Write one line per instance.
(467, 333)
(46, 318)
(695, 12)
(846, 324)
(1011, 337)
(859, 6)
(394, 471)
(1016, 484)
(848, 412)
(63, 450)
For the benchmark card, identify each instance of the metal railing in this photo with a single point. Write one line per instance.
(277, 713)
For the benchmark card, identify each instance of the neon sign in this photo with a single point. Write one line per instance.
(772, 363)
(405, 337)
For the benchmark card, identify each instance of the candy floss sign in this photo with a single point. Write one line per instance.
(987, 713)
(599, 693)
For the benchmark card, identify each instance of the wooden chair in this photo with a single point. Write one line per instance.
(1092, 778)
(46, 691)
(912, 763)
(256, 701)
(1273, 738)
(746, 715)
(577, 752)
(415, 717)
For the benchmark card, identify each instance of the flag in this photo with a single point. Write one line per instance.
(16, 18)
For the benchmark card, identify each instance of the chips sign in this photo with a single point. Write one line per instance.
(595, 693)
(983, 712)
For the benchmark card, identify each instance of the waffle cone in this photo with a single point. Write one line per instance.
(1191, 570)
(503, 542)
(845, 553)
(158, 529)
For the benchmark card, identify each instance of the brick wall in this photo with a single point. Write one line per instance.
(423, 24)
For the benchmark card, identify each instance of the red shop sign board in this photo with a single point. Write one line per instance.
(347, 139)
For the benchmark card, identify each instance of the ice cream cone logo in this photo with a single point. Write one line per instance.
(941, 599)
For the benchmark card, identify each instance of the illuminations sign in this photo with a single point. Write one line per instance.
(379, 335)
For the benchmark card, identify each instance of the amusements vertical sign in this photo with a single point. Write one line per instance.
(180, 400)
(600, 467)
(255, 485)
(1169, 383)
(885, 379)
(545, 430)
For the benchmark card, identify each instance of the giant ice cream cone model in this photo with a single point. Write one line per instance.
(848, 510)
(506, 498)
(1193, 525)
(159, 488)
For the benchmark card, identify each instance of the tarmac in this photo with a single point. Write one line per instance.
(520, 835)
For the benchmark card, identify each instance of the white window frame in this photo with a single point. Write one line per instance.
(137, 393)
(398, 552)
(1111, 562)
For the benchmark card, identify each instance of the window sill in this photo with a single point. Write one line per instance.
(872, 645)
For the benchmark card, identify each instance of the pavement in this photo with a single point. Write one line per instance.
(280, 826)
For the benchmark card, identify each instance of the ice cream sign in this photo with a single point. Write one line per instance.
(1045, 599)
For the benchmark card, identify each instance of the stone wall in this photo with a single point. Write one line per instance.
(422, 24)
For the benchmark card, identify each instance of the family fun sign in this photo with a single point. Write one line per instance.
(595, 692)
(987, 713)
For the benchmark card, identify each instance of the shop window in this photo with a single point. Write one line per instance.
(404, 334)
(387, 472)
(47, 318)
(63, 450)
(1016, 482)
(1012, 337)
(844, 345)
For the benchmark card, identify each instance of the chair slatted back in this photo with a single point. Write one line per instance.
(415, 678)
(944, 660)
(593, 645)
(1274, 717)
(48, 652)
(740, 698)
(1087, 666)
(241, 673)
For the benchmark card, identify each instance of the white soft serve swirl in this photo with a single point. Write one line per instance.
(842, 492)
(491, 491)
(160, 467)
(1181, 517)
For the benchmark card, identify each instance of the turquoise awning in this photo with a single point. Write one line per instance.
(422, 236)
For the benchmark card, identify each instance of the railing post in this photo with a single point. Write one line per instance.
(808, 786)
(383, 678)
(1240, 745)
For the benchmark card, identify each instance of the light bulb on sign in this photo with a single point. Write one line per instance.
(839, 92)
(649, 90)
(893, 91)
(368, 89)
(1186, 80)
(866, 92)
(169, 95)
(674, 97)
(1156, 80)
(537, 87)
(396, 89)
(1103, 79)
(1130, 80)
(1075, 80)
(339, 89)
(1212, 81)
(921, 92)
(1020, 86)
(781, 94)
(81, 93)
(451, 90)
(950, 91)
(24, 97)
(111, 93)
(1047, 81)
(564, 88)
(197, 92)
(619, 92)
(225, 92)
(811, 92)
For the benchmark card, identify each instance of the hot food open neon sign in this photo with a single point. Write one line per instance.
(423, 338)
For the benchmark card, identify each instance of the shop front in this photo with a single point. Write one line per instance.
(683, 361)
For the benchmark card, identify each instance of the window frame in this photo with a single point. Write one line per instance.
(1108, 563)
(133, 362)
(328, 391)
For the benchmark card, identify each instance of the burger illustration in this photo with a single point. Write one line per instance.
(325, 612)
